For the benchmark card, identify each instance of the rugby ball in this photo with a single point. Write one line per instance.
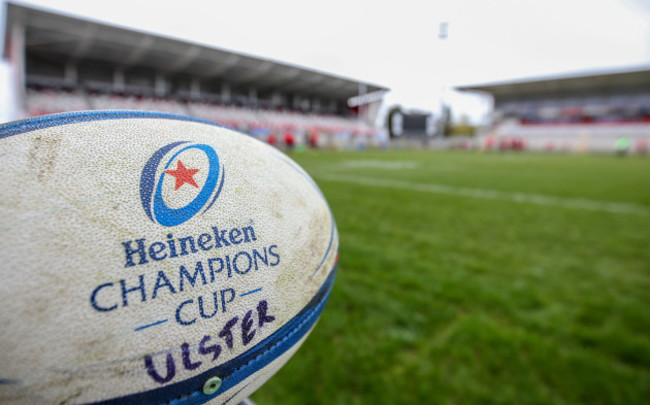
(153, 258)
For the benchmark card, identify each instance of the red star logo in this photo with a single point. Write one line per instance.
(183, 175)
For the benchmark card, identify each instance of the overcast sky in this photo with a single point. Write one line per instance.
(396, 44)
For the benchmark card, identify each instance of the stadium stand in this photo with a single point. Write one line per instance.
(586, 112)
(42, 101)
(63, 63)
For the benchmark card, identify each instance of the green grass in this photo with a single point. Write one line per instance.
(448, 299)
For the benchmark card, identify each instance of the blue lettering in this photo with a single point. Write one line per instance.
(212, 271)
(166, 283)
(192, 279)
(125, 290)
(93, 298)
(228, 266)
(264, 259)
(155, 249)
(202, 312)
(237, 268)
(272, 253)
(184, 241)
(235, 236)
(218, 238)
(130, 252)
(223, 299)
(136, 250)
(204, 239)
(249, 233)
(172, 245)
(178, 313)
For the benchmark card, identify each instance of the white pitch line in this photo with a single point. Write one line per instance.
(574, 203)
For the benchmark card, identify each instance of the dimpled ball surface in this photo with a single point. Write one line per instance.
(145, 255)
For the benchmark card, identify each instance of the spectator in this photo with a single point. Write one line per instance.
(313, 139)
(622, 146)
(289, 141)
(271, 139)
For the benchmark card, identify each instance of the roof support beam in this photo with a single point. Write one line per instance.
(139, 50)
(261, 69)
(221, 68)
(285, 77)
(87, 38)
(185, 60)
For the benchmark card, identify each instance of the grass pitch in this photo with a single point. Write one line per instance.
(470, 278)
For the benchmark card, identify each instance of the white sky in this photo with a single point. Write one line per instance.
(396, 44)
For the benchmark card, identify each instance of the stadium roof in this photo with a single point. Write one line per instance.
(601, 81)
(66, 38)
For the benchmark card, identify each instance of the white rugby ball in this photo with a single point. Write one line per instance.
(153, 258)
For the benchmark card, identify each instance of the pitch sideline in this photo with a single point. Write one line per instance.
(573, 203)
